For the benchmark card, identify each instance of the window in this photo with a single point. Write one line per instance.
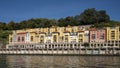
(80, 35)
(80, 40)
(54, 38)
(72, 30)
(112, 34)
(93, 36)
(49, 41)
(10, 39)
(22, 39)
(41, 39)
(18, 39)
(31, 38)
(48, 30)
(55, 29)
(14, 38)
(85, 34)
(102, 36)
(65, 29)
(66, 38)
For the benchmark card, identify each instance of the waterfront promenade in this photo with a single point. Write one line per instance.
(65, 48)
(82, 51)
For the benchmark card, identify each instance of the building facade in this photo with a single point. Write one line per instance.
(63, 35)
(97, 35)
(113, 33)
(69, 34)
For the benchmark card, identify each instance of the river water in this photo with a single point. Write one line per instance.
(42, 61)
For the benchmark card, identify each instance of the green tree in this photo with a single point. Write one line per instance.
(22, 24)
(2, 26)
(62, 22)
(103, 17)
(92, 16)
(10, 25)
(31, 23)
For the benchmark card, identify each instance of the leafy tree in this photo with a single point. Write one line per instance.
(22, 24)
(62, 22)
(2, 26)
(31, 23)
(10, 25)
(92, 16)
(73, 21)
(103, 17)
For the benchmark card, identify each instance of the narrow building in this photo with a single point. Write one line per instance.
(97, 35)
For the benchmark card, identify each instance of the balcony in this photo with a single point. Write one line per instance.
(73, 34)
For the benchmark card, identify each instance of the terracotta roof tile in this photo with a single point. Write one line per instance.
(22, 33)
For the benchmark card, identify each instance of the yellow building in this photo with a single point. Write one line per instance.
(112, 33)
(80, 36)
(10, 39)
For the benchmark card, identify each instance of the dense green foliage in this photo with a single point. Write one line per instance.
(87, 17)
(91, 16)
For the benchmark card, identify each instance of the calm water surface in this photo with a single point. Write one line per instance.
(38, 61)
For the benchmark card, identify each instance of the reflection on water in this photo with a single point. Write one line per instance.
(38, 61)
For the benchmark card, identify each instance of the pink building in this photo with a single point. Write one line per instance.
(21, 37)
(97, 35)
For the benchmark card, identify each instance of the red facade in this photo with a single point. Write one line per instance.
(97, 35)
(21, 38)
